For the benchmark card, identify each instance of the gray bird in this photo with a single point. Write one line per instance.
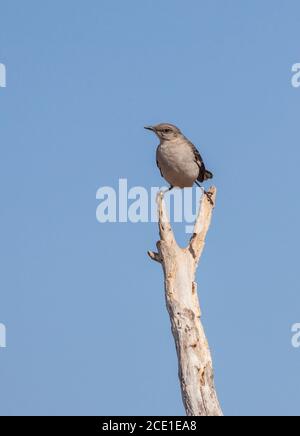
(178, 159)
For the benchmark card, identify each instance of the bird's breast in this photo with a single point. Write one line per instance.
(177, 163)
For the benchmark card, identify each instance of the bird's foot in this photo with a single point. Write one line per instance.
(164, 191)
(161, 195)
(209, 195)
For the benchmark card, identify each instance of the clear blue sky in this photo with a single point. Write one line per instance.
(87, 328)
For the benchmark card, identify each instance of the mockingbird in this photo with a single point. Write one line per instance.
(178, 159)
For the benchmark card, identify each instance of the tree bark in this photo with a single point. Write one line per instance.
(179, 267)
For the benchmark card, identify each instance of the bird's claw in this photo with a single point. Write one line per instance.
(209, 195)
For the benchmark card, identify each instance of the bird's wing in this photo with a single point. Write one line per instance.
(159, 168)
(199, 162)
(157, 163)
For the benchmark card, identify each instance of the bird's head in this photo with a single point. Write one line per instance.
(165, 132)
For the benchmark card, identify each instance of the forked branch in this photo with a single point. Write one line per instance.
(179, 266)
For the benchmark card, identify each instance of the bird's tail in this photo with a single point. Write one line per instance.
(208, 175)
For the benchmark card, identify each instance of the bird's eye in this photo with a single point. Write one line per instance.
(167, 130)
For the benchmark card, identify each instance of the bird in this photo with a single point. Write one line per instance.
(178, 160)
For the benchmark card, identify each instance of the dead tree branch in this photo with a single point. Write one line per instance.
(179, 267)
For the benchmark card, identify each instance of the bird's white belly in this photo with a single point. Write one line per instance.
(177, 163)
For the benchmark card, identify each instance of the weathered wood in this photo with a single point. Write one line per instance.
(179, 266)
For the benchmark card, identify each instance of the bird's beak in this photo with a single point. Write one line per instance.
(150, 128)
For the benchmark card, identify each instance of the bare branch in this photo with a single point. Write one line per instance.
(165, 229)
(179, 266)
(154, 256)
(202, 224)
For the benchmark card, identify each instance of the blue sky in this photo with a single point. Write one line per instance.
(87, 328)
